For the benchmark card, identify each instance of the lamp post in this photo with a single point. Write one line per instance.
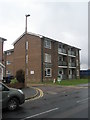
(26, 23)
(26, 53)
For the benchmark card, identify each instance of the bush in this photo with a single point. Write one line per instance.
(20, 76)
(13, 81)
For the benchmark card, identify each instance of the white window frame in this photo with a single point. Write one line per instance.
(48, 75)
(47, 58)
(47, 44)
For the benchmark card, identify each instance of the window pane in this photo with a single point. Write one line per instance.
(47, 44)
(47, 72)
(47, 58)
(26, 45)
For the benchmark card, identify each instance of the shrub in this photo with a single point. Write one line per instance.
(13, 81)
(20, 76)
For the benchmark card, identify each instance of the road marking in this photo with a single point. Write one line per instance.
(40, 113)
(82, 100)
(41, 95)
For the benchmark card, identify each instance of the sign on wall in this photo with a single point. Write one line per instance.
(32, 72)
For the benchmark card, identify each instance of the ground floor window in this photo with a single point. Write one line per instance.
(48, 72)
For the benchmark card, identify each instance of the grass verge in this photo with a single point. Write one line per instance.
(68, 82)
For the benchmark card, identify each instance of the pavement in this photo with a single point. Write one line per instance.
(84, 85)
(29, 92)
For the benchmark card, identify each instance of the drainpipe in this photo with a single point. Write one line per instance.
(42, 41)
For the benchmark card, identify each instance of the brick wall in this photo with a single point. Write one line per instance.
(1, 50)
(9, 67)
(34, 57)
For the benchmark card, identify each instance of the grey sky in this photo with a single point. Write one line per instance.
(63, 21)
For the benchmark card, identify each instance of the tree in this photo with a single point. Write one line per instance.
(20, 76)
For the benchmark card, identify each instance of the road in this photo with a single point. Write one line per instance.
(57, 102)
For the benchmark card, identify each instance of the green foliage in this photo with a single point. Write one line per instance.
(74, 82)
(20, 76)
(13, 81)
(68, 82)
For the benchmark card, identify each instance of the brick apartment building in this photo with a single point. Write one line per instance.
(43, 58)
(8, 62)
(1, 57)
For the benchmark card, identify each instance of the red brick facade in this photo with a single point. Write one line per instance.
(44, 59)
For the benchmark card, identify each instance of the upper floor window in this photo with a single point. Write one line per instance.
(47, 44)
(8, 53)
(47, 58)
(26, 45)
(60, 46)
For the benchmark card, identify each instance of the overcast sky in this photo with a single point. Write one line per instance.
(63, 21)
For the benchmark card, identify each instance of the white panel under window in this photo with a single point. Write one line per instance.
(47, 44)
(26, 45)
(48, 72)
(47, 58)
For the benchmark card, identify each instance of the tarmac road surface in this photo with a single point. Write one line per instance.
(57, 102)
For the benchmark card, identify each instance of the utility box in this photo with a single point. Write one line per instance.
(59, 79)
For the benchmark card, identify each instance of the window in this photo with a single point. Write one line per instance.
(48, 72)
(47, 44)
(47, 58)
(8, 53)
(60, 46)
(8, 62)
(26, 58)
(26, 45)
(60, 58)
(8, 72)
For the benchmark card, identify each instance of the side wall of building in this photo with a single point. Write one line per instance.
(34, 58)
(28, 58)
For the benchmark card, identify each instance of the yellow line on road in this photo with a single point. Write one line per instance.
(41, 94)
(37, 97)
